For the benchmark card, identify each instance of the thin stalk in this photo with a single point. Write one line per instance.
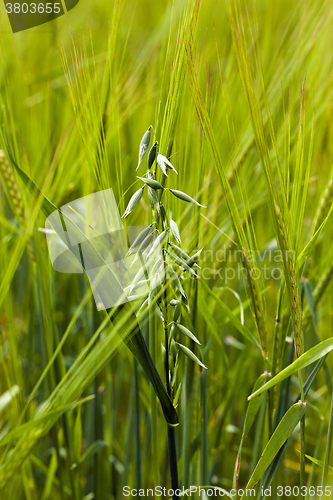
(302, 459)
(328, 446)
(204, 446)
(153, 400)
(313, 467)
(127, 447)
(270, 406)
(173, 461)
(137, 428)
(258, 436)
(188, 404)
(171, 431)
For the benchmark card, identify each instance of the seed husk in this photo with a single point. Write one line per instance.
(144, 144)
(151, 183)
(185, 197)
(176, 398)
(195, 258)
(133, 202)
(181, 263)
(137, 278)
(175, 230)
(145, 243)
(156, 265)
(178, 251)
(156, 272)
(191, 355)
(152, 194)
(177, 311)
(157, 242)
(139, 239)
(152, 155)
(162, 213)
(164, 164)
(187, 332)
(177, 283)
(153, 197)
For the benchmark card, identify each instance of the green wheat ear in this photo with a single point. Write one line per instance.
(259, 312)
(15, 198)
(292, 286)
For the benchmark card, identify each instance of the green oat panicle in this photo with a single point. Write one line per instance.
(292, 286)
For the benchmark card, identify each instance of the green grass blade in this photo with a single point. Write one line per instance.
(251, 412)
(279, 437)
(306, 359)
(328, 445)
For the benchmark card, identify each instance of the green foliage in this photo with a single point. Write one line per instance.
(240, 96)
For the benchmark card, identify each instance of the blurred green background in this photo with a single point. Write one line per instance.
(122, 66)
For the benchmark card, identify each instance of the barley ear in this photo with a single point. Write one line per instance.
(292, 285)
(259, 312)
(15, 198)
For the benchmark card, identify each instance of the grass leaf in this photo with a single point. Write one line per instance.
(309, 357)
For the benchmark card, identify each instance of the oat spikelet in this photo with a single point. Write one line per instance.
(15, 195)
(324, 205)
(292, 286)
(259, 312)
